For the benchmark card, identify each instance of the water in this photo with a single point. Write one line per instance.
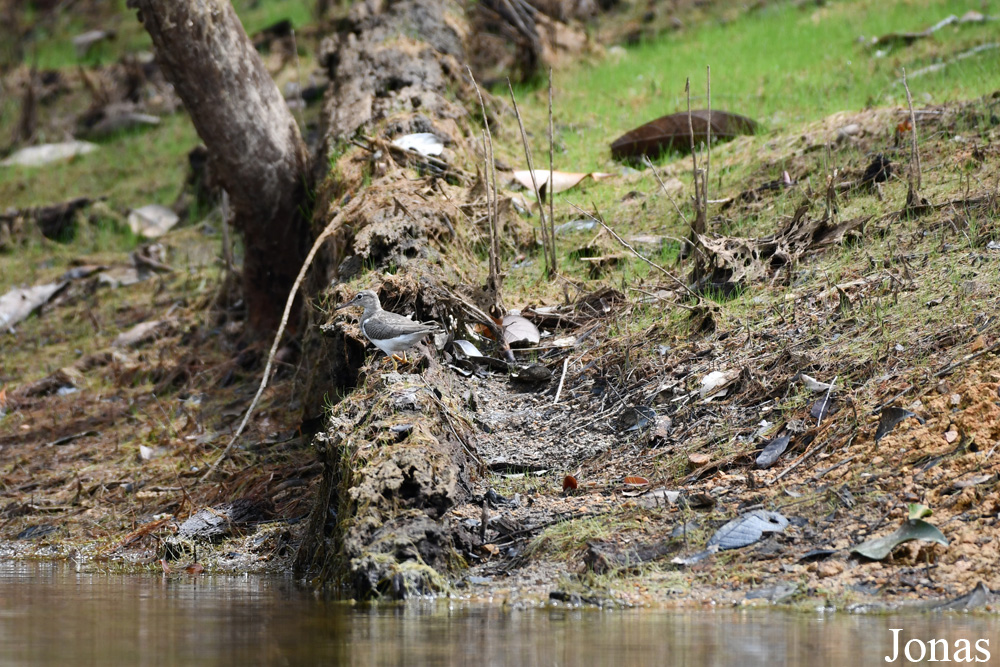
(51, 615)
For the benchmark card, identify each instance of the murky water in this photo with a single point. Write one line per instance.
(51, 615)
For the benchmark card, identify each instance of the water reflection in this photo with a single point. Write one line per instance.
(50, 614)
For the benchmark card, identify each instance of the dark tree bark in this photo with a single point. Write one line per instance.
(250, 133)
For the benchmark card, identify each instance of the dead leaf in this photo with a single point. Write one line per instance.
(152, 221)
(518, 330)
(425, 143)
(561, 180)
(772, 451)
(637, 481)
(569, 483)
(713, 385)
(889, 418)
(17, 304)
(673, 132)
(880, 547)
(813, 384)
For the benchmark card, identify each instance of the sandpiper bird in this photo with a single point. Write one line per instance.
(390, 332)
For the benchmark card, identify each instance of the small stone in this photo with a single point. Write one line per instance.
(848, 131)
(826, 569)
(955, 400)
(951, 436)
(697, 460)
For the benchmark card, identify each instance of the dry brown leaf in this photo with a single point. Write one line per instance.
(561, 180)
(673, 132)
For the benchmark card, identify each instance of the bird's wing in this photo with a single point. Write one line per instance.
(390, 325)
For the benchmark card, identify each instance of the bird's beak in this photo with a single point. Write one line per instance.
(344, 305)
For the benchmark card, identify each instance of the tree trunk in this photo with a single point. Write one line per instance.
(250, 133)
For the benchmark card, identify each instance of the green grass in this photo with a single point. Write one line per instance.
(132, 170)
(52, 45)
(780, 65)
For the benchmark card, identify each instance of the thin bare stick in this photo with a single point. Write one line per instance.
(324, 235)
(491, 221)
(699, 218)
(824, 471)
(665, 191)
(914, 153)
(552, 181)
(495, 229)
(635, 252)
(708, 140)
(952, 366)
(534, 183)
(562, 379)
(826, 401)
(492, 210)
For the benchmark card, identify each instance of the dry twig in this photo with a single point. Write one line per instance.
(635, 252)
(317, 244)
(552, 181)
(550, 270)
(495, 280)
(699, 218)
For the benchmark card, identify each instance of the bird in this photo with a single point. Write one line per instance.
(389, 332)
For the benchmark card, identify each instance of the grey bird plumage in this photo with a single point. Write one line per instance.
(389, 332)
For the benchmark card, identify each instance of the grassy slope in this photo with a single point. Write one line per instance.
(783, 65)
(780, 64)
